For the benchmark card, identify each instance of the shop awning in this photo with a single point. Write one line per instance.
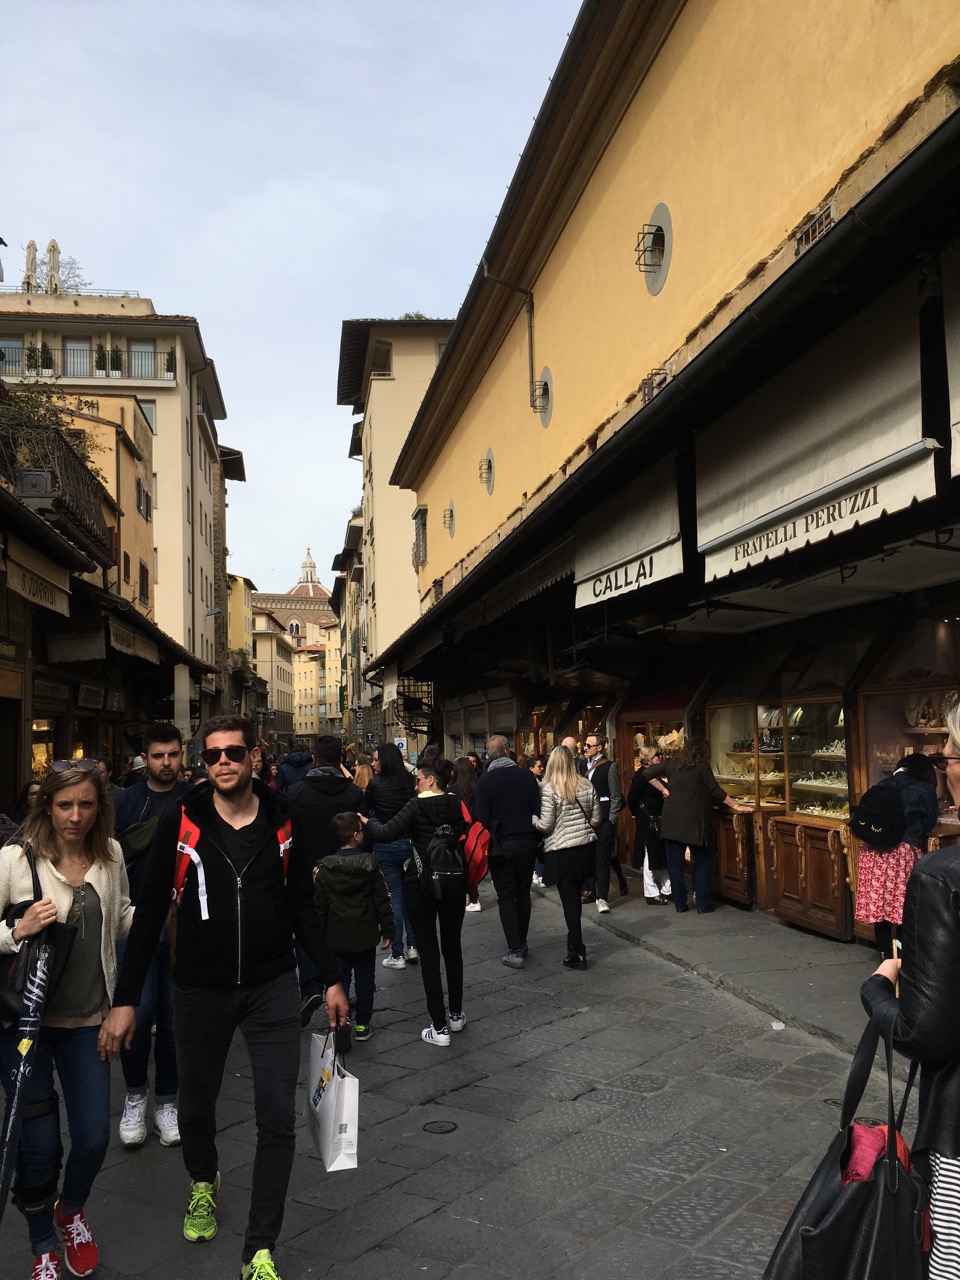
(832, 442)
(31, 575)
(950, 278)
(631, 541)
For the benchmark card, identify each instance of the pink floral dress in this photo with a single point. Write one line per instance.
(882, 882)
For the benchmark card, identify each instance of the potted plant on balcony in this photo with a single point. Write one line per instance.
(100, 360)
(46, 360)
(116, 362)
(170, 365)
(31, 358)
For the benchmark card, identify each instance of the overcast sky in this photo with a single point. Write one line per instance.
(273, 167)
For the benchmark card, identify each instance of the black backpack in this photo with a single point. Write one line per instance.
(878, 820)
(443, 869)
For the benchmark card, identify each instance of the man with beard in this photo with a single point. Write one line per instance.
(236, 859)
(138, 810)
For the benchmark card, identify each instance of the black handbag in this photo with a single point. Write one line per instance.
(15, 966)
(864, 1230)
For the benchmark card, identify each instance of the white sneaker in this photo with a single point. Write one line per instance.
(394, 962)
(456, 1021)
(474, 906)
(166, 1124)
(430, 1035)
(412, 955)
(538, 881)
(133, 1122)
(603, 906)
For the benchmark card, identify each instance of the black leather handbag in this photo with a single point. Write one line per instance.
(865, 1230)
(15, 966)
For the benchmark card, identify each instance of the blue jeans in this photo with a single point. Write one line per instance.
(700, 853)
(155, 1007)
(268, 1017)
(85, 1085)
(360, 967)
(392, 857)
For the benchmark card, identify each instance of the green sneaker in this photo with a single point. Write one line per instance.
(260, 1267)
(200, 1222)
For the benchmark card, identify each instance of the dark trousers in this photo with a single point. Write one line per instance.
(569, 888)
(155, 1009)
(360, 967)
(512, 874)
(607, 855)
(700, 853)
(428, 914)
(268, 1016)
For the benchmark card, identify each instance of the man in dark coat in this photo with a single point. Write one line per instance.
(316, 800)
(508, 798)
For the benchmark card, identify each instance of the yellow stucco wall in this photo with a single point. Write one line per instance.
(745, 122)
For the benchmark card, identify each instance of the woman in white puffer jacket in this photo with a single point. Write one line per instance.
(569, 815)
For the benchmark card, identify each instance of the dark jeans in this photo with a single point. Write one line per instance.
(85, 1085)
(427, 913)
(268, 1016)
(511, 873)
(392, 857)
(569, 889)
(155, 1008)
(700, 853)
(360, 967)
(607, 855)
(311, 984)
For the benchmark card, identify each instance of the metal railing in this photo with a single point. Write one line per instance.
(85, 292)
(49, 476)
(85, 362)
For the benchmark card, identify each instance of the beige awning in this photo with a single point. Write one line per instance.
(631, 541)
(950, 277)
(832, 442)
(36, 578)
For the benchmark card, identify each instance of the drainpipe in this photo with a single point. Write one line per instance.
(528, 307)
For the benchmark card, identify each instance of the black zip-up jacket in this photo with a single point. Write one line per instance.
(316, 800)
(353, 901)
(253, 917)
(386, 796)
(419, 819)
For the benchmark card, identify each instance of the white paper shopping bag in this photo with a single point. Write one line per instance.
(332, 1106)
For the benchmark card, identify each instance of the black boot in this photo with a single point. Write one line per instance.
(576, 959)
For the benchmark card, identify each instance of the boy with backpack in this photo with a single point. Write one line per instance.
(353, 901)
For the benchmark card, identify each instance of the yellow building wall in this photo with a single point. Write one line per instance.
(744, 124)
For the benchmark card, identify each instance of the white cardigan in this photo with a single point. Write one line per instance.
(567, 825)
(109, 879)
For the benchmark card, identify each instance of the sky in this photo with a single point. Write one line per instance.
(273, 167)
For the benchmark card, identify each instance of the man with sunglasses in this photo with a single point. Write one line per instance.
(247, 891)
(139, 809)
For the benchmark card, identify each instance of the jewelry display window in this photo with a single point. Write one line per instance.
(815, 740)
(746, 753)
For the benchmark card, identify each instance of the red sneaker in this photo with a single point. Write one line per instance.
(46, 1266)
(80, 1249)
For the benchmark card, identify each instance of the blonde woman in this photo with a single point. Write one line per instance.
(569, 816)
(83, 882)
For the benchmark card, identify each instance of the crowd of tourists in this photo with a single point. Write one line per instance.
(286, 884)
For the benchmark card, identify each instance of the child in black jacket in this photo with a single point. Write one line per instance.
(354, 904)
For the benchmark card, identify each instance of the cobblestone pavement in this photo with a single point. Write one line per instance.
(632, 1119)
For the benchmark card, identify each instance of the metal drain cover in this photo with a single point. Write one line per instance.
(439, 1126)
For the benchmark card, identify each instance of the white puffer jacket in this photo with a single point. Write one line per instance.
(567, 825)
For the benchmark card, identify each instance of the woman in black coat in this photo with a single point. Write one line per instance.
(926, 1027)
(645, 801)
(390, 788)
(688, 818)
(419, 818)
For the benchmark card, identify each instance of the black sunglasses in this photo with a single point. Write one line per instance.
(61, 766)
(211, 755)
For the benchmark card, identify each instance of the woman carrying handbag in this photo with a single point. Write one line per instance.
(569, 816)
(84, 883)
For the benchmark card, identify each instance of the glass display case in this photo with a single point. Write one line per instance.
(746, 753)
(815, 740)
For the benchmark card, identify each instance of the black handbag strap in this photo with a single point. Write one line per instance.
(32, 864)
